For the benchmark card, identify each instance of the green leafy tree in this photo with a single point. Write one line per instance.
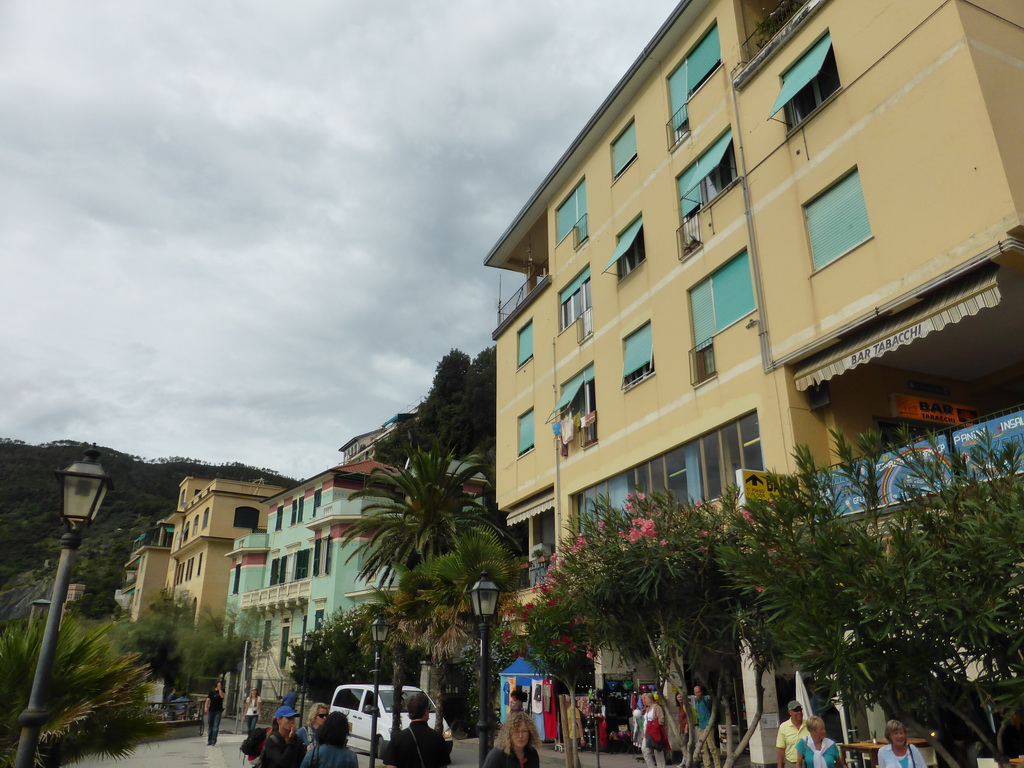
(917, 607)
(416, 513)
(97, 698)
(153, 637)
(648, 578)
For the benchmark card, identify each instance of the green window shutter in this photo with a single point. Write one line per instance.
(638, 350)
(526, 432)
(574, 286)
(625, 242)
(327, 555)
(677, 95)
(802, 72)
(624, 149)
(316, 556)
(714, 154)
(525, 340)
(704, 58)
(837, 220)
(702, 310)
(733, 292)
(571, 210)
(569, 390)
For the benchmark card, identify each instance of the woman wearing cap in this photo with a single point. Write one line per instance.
(817, 750)
(898, 753)
(283, 748)
(330, 750)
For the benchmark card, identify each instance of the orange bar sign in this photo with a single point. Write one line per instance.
(922, 409)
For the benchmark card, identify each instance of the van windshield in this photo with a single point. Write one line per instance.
(387, 698)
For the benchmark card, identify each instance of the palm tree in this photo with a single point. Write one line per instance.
(97, 698)
(416, 513)
(434, 597)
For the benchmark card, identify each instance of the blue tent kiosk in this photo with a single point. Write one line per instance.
(520, 674)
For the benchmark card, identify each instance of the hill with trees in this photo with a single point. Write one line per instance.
(30, 527)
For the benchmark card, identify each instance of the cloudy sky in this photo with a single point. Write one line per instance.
(247, 231)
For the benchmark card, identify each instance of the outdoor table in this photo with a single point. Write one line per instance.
(870, 748)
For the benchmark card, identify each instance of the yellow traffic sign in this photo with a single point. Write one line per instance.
(756, 484)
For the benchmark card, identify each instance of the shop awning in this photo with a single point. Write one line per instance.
(625, 242)
(963, 299)
(530, 508)
(800, 74)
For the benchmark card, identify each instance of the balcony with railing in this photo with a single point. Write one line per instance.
(257, 540)
(771, 30)
(292, 594)
(158, 536)
(522, 298)
(584, 325)
(580, 232)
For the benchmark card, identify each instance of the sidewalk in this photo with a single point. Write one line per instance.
(550, 758)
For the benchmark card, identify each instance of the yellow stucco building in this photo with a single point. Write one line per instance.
(784, 218)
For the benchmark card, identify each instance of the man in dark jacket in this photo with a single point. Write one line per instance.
(419, 745)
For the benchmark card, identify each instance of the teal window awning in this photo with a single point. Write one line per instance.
(691, 73)
(525, 340)
(572, 387)
(567, 292)
(638, 350)
(690, 179)
(571, 211)
(722, 299)
(626, 240)
(624, 149)
(802, 72)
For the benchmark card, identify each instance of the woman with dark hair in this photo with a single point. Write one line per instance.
(330, 750)
(516, 744)
(283, 748)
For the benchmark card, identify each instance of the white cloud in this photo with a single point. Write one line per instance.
(248, 230)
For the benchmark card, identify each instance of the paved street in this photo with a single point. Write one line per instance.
(190, 749)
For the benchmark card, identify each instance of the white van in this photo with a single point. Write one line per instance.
(356, 701)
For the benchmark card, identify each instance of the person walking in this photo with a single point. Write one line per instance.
(709, 750)
(214, 708)
(290, 698)
(818, 750)
(283, 748)
(790, 732)
(252, 705)
(683, 719)
(330, 750)
(655, 736)
(317, 715)
(419, 745)
(516, 744)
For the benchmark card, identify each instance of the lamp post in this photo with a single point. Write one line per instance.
(307, 646)
(379, 630)
(84, 484)
(484, 596)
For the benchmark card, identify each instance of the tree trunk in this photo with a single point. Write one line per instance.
(441, 679)
(398, 653)
(752, 722)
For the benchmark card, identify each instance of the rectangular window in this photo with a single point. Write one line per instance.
(637, 356)
(302, 504)
(579, 398)
(526, 432)
(715, 304)
(629, 250)
(327, 554)
(624, 150)
(317, 546)
(280, 519)
(705, 178)
(238, 577)
(524, 343)
(283, 657)
(687, 78)
(837, 221)
(571, 215)
(301, 564)
(575, 301)
(282, 570)
(199, 566)
(295, 511)
(317, 497)
(318, 619)
(808, 82)
(273, 571)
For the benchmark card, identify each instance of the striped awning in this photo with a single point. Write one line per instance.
(531, 507)
(950, 305)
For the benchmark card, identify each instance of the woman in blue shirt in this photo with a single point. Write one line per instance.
(817, 750)
(898, 753)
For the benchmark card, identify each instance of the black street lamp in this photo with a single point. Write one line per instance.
(307, 646)
(84, 484)
(379, 630)
(484, 596)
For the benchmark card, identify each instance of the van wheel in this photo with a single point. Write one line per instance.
(380, 747)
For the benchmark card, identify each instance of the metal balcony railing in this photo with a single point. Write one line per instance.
(580, 233)
(678, 126)
(584, 325)
(688, 235)
(773, 22)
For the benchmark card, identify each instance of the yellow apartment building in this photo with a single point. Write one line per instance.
(784, 218)
(211, 514)
(146, 569)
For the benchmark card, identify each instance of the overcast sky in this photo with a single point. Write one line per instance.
(247, 231)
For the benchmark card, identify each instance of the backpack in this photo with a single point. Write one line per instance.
(252, 745)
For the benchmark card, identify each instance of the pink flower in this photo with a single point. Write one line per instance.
(703, 533)
(600, 525)
(759, 590)
(664, 543)
(745, 514)
(628, 507)
(590, 654)
(641, 496)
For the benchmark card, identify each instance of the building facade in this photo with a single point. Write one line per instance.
(784, 219)
(297, 572)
